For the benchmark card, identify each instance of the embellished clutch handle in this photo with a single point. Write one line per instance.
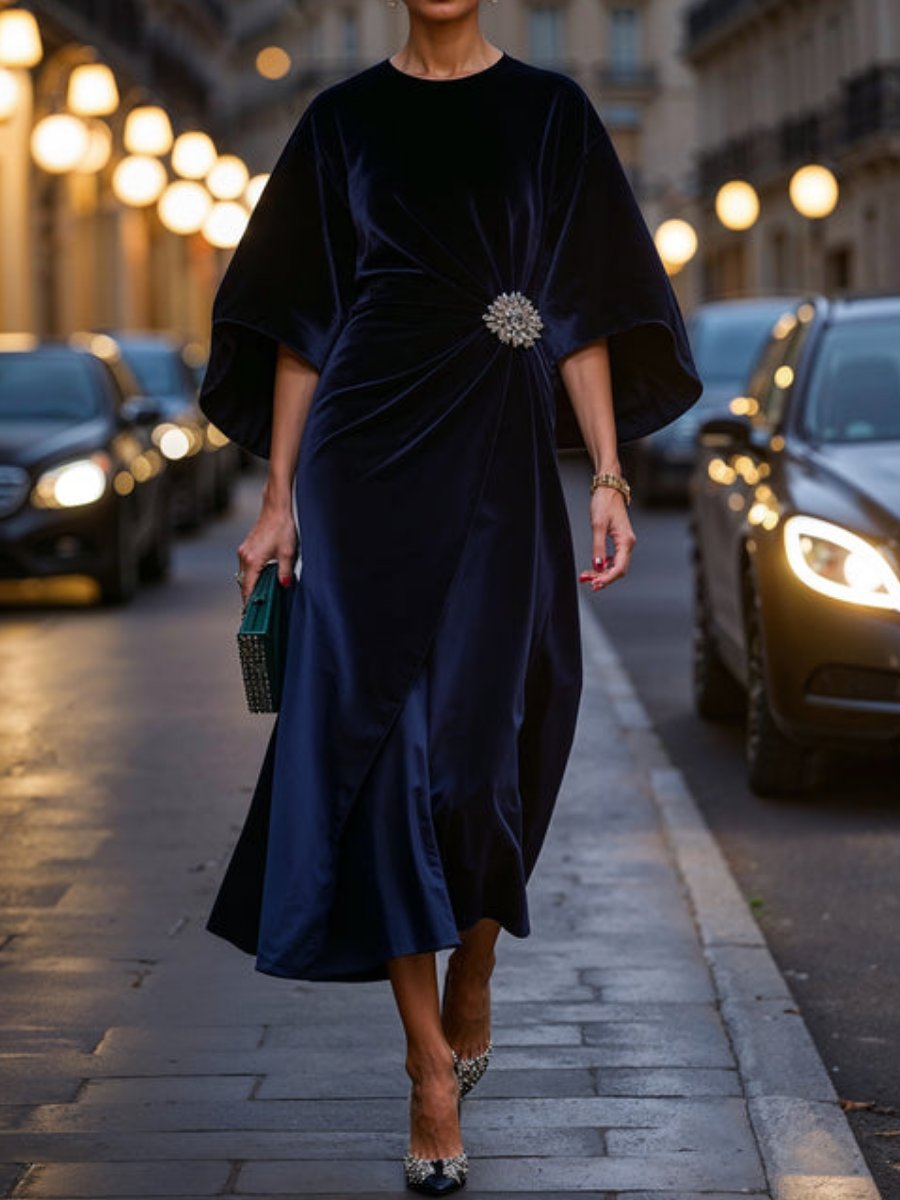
(262, 641)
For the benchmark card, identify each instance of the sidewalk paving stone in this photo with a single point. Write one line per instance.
(641, 1036)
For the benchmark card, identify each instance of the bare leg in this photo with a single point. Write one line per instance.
(433, 1115)
(466, 1008)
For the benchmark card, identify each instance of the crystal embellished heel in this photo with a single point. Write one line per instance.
(435, 1176)
(470, 1070)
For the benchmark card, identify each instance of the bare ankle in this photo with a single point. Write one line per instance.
(474, 964)
(426, 1064)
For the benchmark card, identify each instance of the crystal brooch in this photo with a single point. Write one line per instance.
(514, 319)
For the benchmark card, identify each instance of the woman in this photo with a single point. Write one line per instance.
(442, 230)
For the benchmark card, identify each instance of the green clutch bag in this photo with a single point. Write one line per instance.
(262, 641)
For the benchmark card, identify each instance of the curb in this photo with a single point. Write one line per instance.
(805, 1142)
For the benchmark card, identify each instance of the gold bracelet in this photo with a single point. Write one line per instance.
(607, 479)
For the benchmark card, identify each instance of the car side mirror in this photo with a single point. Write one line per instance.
(140, 410)
(725, 433)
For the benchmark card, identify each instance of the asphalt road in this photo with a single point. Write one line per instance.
(822, 873)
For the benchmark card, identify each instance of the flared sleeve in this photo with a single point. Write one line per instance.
(289, 281)
(604, 278)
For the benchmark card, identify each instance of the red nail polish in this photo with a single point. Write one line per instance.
(284, 580)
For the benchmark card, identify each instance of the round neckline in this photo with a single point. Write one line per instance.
(453, 78)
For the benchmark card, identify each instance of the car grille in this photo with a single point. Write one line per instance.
(14, 485)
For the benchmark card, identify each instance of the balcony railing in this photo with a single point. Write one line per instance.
(627, 77)
(868, 105)
(707, 17)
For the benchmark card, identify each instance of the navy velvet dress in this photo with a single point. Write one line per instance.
(434, 664)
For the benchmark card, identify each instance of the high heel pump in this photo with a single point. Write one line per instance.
(470, 1070)
(435, 1176)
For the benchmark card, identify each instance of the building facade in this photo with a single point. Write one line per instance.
(784, 83)
(73, 256)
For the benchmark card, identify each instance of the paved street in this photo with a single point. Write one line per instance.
(647, 1045)
(823, 871)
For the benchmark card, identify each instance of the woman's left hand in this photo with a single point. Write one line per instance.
(610, 523)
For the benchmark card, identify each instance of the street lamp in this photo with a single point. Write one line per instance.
(676, 244)
(139, 180)
(59, 142)
(92, 91)
(148, 130)
(273, 62)
(9, 94)
(184, 206)
(194, 155)
(254, 190)
(20, 39)
(99, 151)
(814, 191)
(225, 225)
(737, 204)
(228, 178)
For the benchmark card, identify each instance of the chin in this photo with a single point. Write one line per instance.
(446, 9)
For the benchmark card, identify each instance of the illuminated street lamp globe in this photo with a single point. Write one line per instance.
(254, 189)
(737, 204)
(225, 225)
(59, 142)
(139, 180)
(184, 206)
(20, 39)
(228, 178)
(9, 94)
(148, 130)
(92, 91)
(99, 150)
(676, 243)
(194, 155)
(814, 191)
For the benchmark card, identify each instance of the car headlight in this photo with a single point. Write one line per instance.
(72, 484)
(178, 439)
(832, 560)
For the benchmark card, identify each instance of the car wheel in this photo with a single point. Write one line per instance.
(717, 694)
(119, 583)
(190, 506)
(776, 766)
(156, 562)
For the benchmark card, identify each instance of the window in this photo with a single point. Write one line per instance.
(773, 379)
(545, 33)
(854, 392)
(350, 33)
(625, 49)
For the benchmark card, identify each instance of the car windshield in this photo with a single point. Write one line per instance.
(47, 386)
(854, 390)
(156, 368)
(726, 341)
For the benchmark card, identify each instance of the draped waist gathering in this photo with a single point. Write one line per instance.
(510, 315)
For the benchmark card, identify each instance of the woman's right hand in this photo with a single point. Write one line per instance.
(273, 536)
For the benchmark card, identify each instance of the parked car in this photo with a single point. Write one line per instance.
(83, 490)
(204, 462)
(795, 517)
(725, 336)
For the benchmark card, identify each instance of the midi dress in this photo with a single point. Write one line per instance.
(432, 248)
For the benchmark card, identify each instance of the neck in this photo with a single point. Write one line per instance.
(444, 47)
